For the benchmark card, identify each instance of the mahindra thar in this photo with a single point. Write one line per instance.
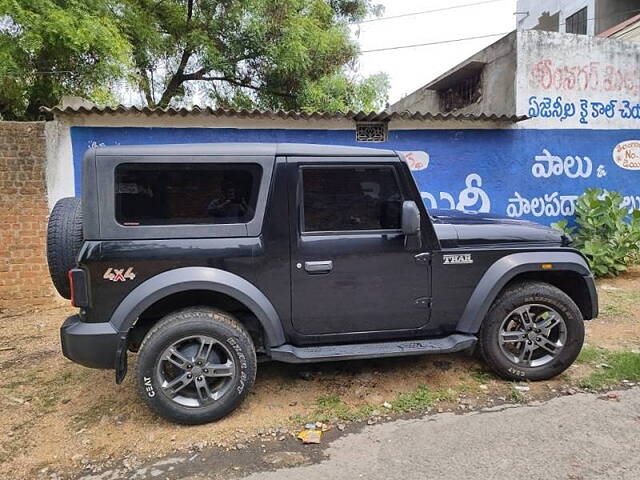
(204, 259)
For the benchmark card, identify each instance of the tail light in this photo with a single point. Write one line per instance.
(78, 287)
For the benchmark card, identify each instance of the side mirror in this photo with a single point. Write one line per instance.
(410, 218)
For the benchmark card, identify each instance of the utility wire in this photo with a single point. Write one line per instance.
(454, 40)
(423, 12)
(434, 43)
(399, 47)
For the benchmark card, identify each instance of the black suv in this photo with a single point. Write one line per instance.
(206, 258)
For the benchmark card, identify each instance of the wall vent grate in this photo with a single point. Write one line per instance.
(371, 132)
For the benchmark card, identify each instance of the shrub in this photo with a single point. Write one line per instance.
(606, 233)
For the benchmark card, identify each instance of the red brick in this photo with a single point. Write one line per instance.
(24, 278)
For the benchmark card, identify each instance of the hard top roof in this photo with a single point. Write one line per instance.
(243, 149)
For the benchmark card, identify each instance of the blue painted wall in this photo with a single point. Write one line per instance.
(531, 174)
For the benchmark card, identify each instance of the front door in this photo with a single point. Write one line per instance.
(351, 271)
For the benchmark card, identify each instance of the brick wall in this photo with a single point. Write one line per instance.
(24, 277)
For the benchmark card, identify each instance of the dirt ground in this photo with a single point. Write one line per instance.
(58, 417)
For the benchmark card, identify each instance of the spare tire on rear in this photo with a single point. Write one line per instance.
(64, 239)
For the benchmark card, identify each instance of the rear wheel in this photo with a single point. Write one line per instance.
(533, 331)
(196, 365)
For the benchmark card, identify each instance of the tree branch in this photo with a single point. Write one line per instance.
(189, 11)
(178, 78)
(144, 85)
(197, 75)
(239, 83)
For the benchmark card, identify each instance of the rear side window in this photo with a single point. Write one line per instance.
(350, 198)
(185, 193)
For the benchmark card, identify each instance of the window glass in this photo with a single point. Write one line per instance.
(577, 23)
(186, 193)
(351, 198)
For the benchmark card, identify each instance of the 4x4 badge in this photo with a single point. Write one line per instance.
(119, 274)
(457, 259)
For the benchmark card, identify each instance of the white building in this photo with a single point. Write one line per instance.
(558, 80)
(585, 17)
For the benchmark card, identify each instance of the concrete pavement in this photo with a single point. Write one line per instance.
(578, 437)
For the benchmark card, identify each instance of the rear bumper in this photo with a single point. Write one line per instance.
(93, 345)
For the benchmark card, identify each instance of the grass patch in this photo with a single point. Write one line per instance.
(591, 354)
(15, 384)
(480, 376)
(465, 388)
(420, 399)
(515, 395)
(330, 407)
(612, 368)
(618, 302)
(612, 310)
(625, 296)
(364, 411)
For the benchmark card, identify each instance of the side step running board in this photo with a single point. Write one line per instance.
(452, 343)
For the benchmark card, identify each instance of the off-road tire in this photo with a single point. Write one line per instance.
(64, 240)
(530, 293)
(211, 322)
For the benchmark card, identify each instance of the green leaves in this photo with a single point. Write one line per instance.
(339, 93)
(562, 225)
(56, 47)
(268, 54)
(607, 234)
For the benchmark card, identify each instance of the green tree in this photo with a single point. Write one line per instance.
(272, 54)
(50, 48)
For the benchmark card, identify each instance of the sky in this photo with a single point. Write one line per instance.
(411, 68)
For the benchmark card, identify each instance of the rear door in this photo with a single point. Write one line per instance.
(350, 269)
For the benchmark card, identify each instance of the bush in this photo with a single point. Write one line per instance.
(606, 233)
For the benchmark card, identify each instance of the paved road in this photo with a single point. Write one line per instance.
(575, 438)
(580, 437)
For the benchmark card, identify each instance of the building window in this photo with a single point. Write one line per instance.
(371, 132)
(462, 94)
(577, 23)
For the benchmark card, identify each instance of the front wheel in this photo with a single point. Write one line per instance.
(533, 331)
(196, 365)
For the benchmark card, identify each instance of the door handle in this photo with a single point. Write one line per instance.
(323, 266)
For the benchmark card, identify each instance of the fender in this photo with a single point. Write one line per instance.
(505, 269)
(197, 278)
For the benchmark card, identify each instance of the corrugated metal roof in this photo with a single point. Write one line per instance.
(291, 115)
(628, 30)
